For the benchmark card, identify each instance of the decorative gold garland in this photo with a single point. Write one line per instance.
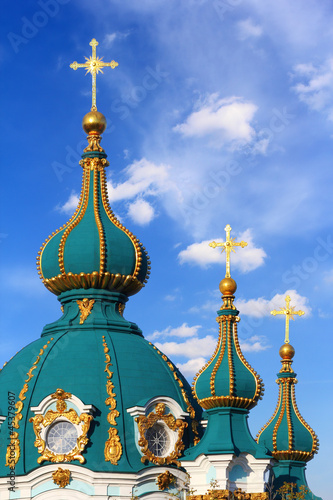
(14, 445)
(113, 449)
(145, 423)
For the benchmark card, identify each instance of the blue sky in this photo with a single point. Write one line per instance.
(220, 112)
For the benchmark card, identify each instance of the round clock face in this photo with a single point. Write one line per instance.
(62, 437)
(158, 439)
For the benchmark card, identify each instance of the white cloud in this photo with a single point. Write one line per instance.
(191, 367)
(255, 343)
(261, 307)
(70, 206)
(181, 331)
(225, 121)
(141, 212)
(143, 178)
(191, 348)
(111, 37)
(247, 29)
(316, 87)
(245, 259)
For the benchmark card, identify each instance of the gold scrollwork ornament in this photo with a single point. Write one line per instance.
(61, 477)
(43, 421)
(176, 425)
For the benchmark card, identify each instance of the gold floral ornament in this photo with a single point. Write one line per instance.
(42, 424)
(85, 306)
(165, 480)
(93, 65)
(61, 477)
(175, 425)
(113, 449)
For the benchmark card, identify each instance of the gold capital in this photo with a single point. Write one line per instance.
(228, 246)
(93, 65)
(289, 312)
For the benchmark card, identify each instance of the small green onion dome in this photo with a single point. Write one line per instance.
(286, 434)
(227, 380)
(93, 250)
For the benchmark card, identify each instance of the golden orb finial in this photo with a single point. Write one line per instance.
(94, 123)
(228, 286)
(287, 352)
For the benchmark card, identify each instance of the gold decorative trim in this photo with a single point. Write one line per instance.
(136, 243)
(13, 452)
(219, 359)
(165, 480)
(282, 410)
(85, 306)
(46, 420)
(15, 442)
(42, 248)
(189, 407)
(99, 224)
(209, 362)
(74, 222)
(272, 417)
(315, 442)
(176, 425)
(260, 386)
(106, 281)
(61, 477)
(113, 449)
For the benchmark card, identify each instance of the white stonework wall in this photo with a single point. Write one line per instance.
(217, 467)
(86, 484)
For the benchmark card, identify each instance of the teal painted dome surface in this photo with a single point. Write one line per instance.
(286, 434)
(74, 359)
(93, 249)
(227, 379)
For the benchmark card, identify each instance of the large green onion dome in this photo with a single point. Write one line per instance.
(286, 434)
(93, 250)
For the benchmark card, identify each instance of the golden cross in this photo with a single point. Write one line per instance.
(93, 65)
(290, 313)
(228, 246)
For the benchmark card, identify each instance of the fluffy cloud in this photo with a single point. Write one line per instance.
(70, 206)
(144, 178)
(181, 331)
(191, 348)
(261, 307)
(141, 212)
(256, 343)
(245, 259)
(247, 28)
(224, 121)
(316, 86)
(191, 367)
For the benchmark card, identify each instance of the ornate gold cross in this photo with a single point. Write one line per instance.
(94, 65)
(228, 246)
(289, 312)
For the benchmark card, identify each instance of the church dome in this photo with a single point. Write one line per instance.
(286, 434)
(94, 378)
(93, 249)
(227, 380)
